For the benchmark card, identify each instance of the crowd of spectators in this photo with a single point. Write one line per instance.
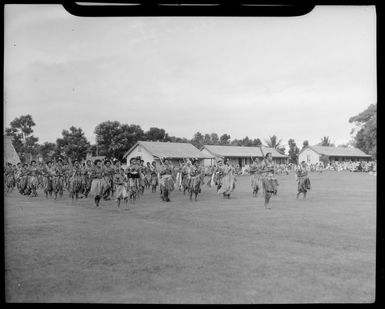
(353, 166)
(285, 169)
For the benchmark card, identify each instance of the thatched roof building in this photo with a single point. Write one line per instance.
(10, 154)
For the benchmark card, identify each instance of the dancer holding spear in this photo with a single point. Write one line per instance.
(269, 182)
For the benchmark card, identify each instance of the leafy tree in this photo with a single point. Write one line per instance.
(173, 139)
(114, 139)
(325, 141)
(305, 144)
(293, 151)
(127, 136)
(236, 142)
(366, 137)
(207, 139)
(106, 133)
(273, 142)
(93, 150)
(214, 138)
(47, 150)
(21, 126)
(22, 139)
(256, 142)
(224, 139)
(246, 141)
(73, 143)
(366, 115)
(179, 139)
(198, 140)
(156, 134)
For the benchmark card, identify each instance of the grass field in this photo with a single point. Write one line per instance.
(211, 251)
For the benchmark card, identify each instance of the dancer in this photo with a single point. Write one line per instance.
(154, 177)
(178, 175)
(75, 180)
(147, 175)
(87, 178)
(48, 173)
(255, 178)
(303, 180)
(33, 173)
(165, 180)
(24, 180)
(133, 175)
(120, 182)
(58, 179)
(108, 177)
(99, 184)
(67, 172)
(227, 180)
(269, 182)
(194, 179)
(184, 176)
(9, 174)
(141, 176)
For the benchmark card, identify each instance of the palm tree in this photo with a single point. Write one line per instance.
(273, 142)
(325, 141)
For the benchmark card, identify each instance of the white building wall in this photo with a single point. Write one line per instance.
(309, 156)
(139, 151)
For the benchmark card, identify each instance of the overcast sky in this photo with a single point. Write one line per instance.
(298, 77)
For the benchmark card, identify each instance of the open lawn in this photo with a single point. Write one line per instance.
(211, 251)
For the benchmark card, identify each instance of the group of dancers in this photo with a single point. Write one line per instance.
(106, 180)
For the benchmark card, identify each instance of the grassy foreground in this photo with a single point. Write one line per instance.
(210, 251)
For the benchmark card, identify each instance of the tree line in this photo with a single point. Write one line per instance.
(113, 139)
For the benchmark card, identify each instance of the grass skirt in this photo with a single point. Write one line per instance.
(76, 184)
(58, 183)
(23, 183)
(98, 187)
(228, 184)
(33, 182)
(167, 183)
(303, 184)
(87, 181)
(184, 181)
(121, 191)
(133, 184)
(255, 181)
(194, 184)
(147, 179)
(270, 184)
(47, 184)
(10, 181)
(154, 180)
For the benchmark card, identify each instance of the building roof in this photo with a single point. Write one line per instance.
(338, 151)
(242, 151)
(170, 150)
(10, 154)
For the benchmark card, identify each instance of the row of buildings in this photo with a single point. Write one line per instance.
(241, 155)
